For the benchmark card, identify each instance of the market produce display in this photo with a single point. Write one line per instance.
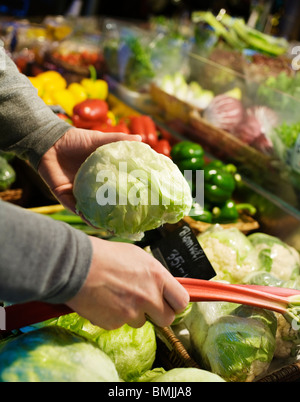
(236, 80)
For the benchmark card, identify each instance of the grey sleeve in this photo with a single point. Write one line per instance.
(41, 259)
(28, 127)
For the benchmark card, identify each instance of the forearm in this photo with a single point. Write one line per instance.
(41, 259)
(28, 127)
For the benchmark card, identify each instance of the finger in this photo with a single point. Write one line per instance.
(106, 138)
(162, 315)
(137, 322)
(175, 295)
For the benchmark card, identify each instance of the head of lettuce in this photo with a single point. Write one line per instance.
(127, 188)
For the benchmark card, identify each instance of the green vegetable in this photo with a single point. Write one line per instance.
(287, 337)
(53, 354)
(230, 252)
(133, 350)
(275, 256)
(7, 174)
(188, 155)
(150, 375)
(9, 156)
(288, 133)
(201, 214)
(188, 374)
(236, 343)
(219, 185)
(127, 188)
(192, 93)
(139, 69)
(228, 35)
(230, 211)
(238, 35)
(181, 316)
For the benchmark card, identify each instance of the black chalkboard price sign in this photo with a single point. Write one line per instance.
(178, 249)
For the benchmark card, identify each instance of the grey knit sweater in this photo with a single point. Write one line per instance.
(40, 259)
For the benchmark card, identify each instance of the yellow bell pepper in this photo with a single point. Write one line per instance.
(78, 91)
(66, 100)
(48, 99)
(37, 85)
(95, 88)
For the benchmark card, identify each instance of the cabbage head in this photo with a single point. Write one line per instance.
(133, 350)
(127, 188)
(54, 354)
(188, 374)
(236, 343)
(275, 256)
(230, 252)
(287, 338)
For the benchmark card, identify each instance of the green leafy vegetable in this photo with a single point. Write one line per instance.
(54, 354)
(275, 256)
(188, 374)
(133, 350)
(236, 343)
(127, 188)
(230, 252)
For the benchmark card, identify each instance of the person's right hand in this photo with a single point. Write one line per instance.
(126, 285)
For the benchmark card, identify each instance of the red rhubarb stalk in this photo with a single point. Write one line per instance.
(281, 300)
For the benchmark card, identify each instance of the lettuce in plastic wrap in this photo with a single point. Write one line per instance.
(275, 256)
(127, 188)
(230, 252)
(235, 342)
(287, 337)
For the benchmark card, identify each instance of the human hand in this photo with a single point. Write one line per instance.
(125, 284)
(61, 162)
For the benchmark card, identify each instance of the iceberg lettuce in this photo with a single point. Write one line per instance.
(127, 188)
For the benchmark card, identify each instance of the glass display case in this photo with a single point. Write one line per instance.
(244, 119)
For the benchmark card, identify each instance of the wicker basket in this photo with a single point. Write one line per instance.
(172, 354)
(245, 224)
(170, 351)
(13, 196)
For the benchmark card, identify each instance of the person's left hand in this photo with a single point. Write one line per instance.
(61, 162)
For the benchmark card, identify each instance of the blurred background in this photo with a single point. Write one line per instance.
(272, 16)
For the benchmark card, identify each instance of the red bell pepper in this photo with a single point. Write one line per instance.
(145, 127)
(89, 112)
(163, 147)
(108, 128)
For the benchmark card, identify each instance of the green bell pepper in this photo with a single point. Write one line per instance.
(201, 214)
(7, 174)
(219, 185)
(229, 212)
(188, 155)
